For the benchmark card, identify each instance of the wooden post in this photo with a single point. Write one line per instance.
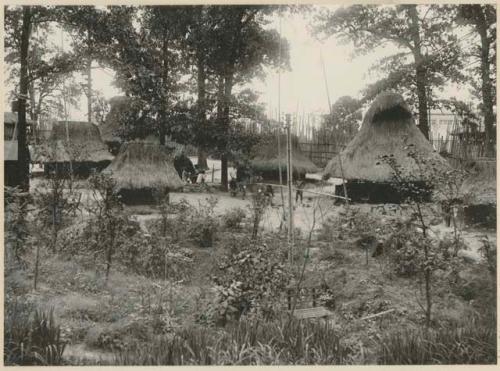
(290, 199)
(314, 296)
(213, 172)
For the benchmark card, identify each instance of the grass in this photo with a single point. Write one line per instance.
(146, 319)
(32, 338)
(471, 343)
(247, 342)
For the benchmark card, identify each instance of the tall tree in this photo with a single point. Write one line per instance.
(23, 152)
(429, 53)
(483, 20)
(244, 47)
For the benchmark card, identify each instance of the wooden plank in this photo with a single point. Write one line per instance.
(316, 312)
(377, 314)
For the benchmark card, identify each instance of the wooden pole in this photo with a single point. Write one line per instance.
(290, 199)
(89, 80)
(331, 115)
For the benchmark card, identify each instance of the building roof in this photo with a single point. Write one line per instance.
(143, 164)
(388, 129)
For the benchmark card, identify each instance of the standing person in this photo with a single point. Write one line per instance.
(300, 186)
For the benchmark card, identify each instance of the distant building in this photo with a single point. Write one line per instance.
(10, 149)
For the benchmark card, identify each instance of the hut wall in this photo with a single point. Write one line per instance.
(271, 175)
(377, 193)
(142, 196)
(80, 169)
(12, 176)
(483, 216)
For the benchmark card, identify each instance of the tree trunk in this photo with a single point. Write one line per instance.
(23, 152)
(421, 72)
(486, 87)
(201, 77)
(228, 87)
(163, 113)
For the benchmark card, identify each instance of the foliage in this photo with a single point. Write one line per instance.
(16, 225)
(415, 250)
(489, 254)
(426, 58)
(233, 218)
(467, 343)
(109, 219)
(31, 339)
(250, 281)
(259, 204)
(203, 225)
(248, 342)
(344, 121)
(162, 259)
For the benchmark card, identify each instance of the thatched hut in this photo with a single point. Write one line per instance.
(479, 191)
(268, 158)
(74, 145)
(388, 129)
(141, 169)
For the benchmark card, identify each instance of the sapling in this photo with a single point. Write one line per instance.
(107, 210)
(428, 176)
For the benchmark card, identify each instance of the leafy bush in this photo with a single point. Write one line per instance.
(233, 218)
(16, 225)
(162, 259)
(470, 344)
(248, 342)
(250, 280)
(31, 340)
(202, 225)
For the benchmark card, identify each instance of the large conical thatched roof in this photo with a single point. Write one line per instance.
(143, 164)
(480, 187)
(76, 141)
(267, 156)
(387, 129)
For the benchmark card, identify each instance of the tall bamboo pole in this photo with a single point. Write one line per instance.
(290, 199)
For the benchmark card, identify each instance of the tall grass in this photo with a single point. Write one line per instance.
(473, 344)
(248, 342)
(32, 340)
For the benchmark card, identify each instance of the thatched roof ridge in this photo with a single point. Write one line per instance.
(387, 129)
(77, 141)
(268, 156)
(142, 164)
(480, 187)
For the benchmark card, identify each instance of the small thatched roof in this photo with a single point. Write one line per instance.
(268, 157)
(480, 187)
(76, 141)
(387, 129)
(143, 164)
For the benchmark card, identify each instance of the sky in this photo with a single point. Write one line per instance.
(301, 90)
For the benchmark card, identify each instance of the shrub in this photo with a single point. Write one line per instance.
(233, 218)
(16, 225)
(202, 225)
(470, 344)
(250, 280)
(31, 340)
